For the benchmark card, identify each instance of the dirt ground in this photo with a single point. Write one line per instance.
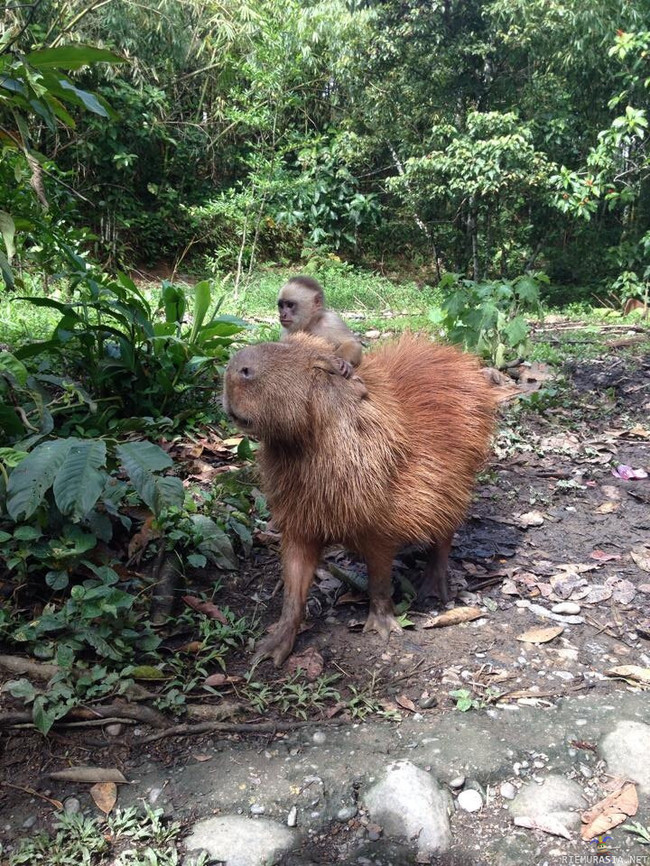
(553, 523)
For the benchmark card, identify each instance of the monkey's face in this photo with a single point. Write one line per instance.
(298, 307)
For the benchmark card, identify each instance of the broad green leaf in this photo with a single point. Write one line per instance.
(214, 543)
(8, 231)
(12, 365)
(141, 460)
(516, 331)
(71, 57)
(88, 99)
(5, 270)
(80, 481)
(21, 689)
(202, 297)
(27, 533)
(31, 479)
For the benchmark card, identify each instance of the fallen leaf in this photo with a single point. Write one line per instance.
(631, 672)
(624, 591)
(233, 441)
(219, 679)
(564, 585)
(89, 775)
(597, 593)
(140, 541)
(546, 823)
(628, 473)
(608, 507)
(641, 556)
(201, 759)
(601, 556)
(610, 812)
(509, 587)
(104, 795)
(611, 492)
(541, 635)
(454, 617)
(205, 607)
(310, 661)
(644, 587)
(405, 703)
(638, 430)
(531, 518)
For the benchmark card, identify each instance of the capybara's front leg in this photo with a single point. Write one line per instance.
(435, 579)
(381, 615)
(299, 561)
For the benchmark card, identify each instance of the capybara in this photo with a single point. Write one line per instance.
(374, 472)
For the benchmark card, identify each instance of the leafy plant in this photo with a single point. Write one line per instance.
(112, 338)
(295, 695)
(465, 700)
(637, 829)
(489, 317)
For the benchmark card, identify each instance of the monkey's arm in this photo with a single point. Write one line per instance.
(351, 351)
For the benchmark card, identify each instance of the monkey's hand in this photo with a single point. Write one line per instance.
(277, 645)
(345, 368)
(382, 622)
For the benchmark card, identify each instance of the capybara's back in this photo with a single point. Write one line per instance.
(372, 467)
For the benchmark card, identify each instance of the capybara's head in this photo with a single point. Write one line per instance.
(270, 389)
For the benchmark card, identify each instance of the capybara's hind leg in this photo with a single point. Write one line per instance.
(381, 614)
(299, 561)
(435, 579)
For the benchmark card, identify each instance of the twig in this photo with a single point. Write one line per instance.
(232, 728)
(56, 803)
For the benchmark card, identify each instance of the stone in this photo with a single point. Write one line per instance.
(71, 806)
(346, 813)
(508, 791)
(470, 800)
(239, 841)
(319, 738)
(458, 782)
(570, 607)
(292, 817)
(408, 802)
(558, 798)
(627, 753)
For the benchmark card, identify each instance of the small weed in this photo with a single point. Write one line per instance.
(465, 701)
(638, 830)
(293, 695)
(81, 841)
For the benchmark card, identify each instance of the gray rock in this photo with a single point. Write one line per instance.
(627, 752)
(407, 802)
(292, 817)
(346, 813)
(257, 809)
(570, 607)
(114, 730)
(29, 822)
(458, 782)
(470, 800)
(508, 791)
(557, 798)
(319, 738)
(71, 806)
(238, 841)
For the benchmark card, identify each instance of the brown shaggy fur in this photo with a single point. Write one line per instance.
(372, 472)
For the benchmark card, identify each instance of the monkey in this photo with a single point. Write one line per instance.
(414, 444)
(301, 307)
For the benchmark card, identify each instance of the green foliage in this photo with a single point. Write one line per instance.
(113, 338)
(489, 317)
(295, 695)
(129, 837)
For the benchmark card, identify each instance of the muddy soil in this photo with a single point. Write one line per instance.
(555, 521)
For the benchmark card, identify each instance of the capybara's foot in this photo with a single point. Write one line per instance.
(276, 646)
(428, 589)
(383, 622)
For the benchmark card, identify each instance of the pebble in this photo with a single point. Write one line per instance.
(570, 607)
(71, 806)
(257, 809)
(319, 738)
(428, 702)
(154, 795)
(470, 800)
(292, 817)
(346, 813)
(508, 791)
(28, 823)
(587, 772)
(458, 782)
(114, 730)
(374, 832)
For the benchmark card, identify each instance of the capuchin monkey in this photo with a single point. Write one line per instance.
(301, 306)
